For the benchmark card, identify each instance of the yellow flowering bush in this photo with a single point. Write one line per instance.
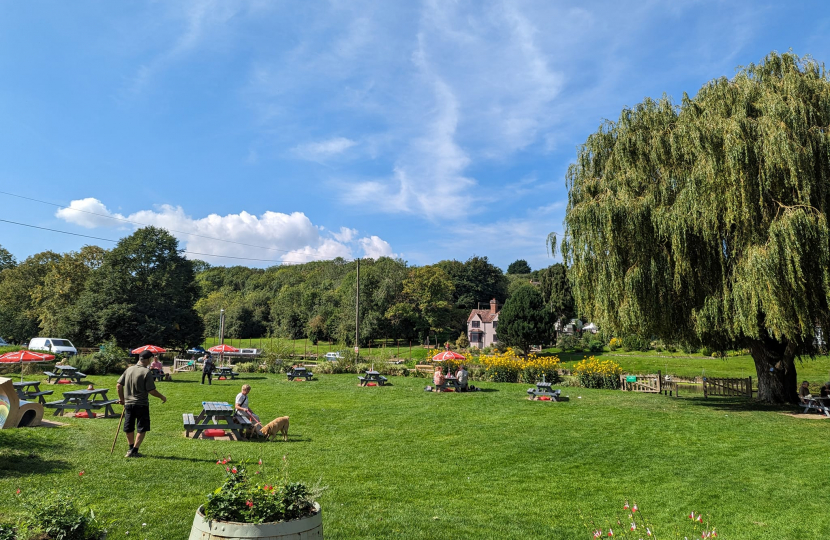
(594, 373)
(615, 343)
(509, 366)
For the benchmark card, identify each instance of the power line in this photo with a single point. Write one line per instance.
(282, 261)
(142, 224)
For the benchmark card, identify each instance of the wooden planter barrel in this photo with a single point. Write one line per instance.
(307, 528)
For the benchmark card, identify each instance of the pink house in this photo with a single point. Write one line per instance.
(482, 324)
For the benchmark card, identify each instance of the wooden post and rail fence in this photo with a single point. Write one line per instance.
(716, 386)
(712, 386)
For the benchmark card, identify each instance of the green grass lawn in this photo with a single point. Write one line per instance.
(402, 463)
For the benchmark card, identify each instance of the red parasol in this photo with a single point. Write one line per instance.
(223, 348)
(152, 348)
(447, 355)
(19, 357)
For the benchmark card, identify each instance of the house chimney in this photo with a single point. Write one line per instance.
(494, 306)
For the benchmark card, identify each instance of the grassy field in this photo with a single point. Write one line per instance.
(402, 463)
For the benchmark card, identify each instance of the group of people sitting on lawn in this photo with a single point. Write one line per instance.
(805, 395)
(463, 378)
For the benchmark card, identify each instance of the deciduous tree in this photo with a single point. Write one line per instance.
(706, 222)
(519, 266)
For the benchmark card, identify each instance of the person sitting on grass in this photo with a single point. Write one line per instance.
(804, 392)
(243, 406)
(438, 378)
(463, 378)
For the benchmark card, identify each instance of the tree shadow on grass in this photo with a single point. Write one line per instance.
(738, 404)
(180, 458)
(19, 456)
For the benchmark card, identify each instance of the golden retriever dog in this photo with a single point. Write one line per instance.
(278, 425)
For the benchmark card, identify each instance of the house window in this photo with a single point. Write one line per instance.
(476, 324)
(475, 337)
(495, 338)
(495, 324)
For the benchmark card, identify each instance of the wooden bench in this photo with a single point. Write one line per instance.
(61, 406)
(381, 380)
(300, 373)
(189, 423)
(77, 376)
(425, 368)
(38, 395)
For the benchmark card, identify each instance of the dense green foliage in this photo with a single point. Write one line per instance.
(370, 446)
(706, 222)
(143, 292)
(524, 321)
(518, 266)
(556, 293)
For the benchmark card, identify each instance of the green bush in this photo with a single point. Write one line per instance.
(566, 342)
(56, 517)
(706, 351)
(8, 531)
(635, 343)
(111, 358)
(247, 367)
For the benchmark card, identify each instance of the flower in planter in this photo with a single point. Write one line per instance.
(243, 500)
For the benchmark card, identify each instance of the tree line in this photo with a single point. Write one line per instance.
(145, 291)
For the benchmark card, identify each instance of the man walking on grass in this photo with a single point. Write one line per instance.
(134, 386)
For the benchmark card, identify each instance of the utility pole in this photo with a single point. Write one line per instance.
(357, 313)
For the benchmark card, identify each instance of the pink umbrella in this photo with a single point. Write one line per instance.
(447, 355)
(152, 348)
(223, 348)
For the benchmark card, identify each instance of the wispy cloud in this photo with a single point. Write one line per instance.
(323, 149)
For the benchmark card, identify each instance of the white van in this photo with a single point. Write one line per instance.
(53, 345)
(334, 356)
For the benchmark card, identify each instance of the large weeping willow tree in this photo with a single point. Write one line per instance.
(706, 223)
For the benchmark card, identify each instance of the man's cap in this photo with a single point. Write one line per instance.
(145, 355)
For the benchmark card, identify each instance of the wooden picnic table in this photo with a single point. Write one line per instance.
(64, 372)
(543, 389)
(225, 371)
(372, 376)
(30, 390)
(449, 382)
(297, 372)
(218, 415)
(818, 404)
(84, 400)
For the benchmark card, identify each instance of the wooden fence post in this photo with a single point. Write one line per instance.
(659, 382)
(705, 395)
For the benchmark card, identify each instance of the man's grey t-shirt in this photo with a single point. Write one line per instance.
(138, 383)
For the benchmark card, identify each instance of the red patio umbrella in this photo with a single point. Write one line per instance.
(223, 348)
(25, 356)
(152, 348)
(447, 355)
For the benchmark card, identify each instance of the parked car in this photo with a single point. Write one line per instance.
(3, 342)
(334, 356)
(53, 345)
(196, 350)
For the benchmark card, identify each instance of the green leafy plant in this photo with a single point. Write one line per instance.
(244, 500)
(56, 517)
(8, 531)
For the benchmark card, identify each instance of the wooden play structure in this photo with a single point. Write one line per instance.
(15, 412)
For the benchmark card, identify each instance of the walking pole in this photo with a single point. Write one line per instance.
(119, 429)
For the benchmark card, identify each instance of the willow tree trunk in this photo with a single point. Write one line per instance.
(775, 366)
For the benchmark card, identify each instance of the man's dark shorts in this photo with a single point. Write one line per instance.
(136, 416)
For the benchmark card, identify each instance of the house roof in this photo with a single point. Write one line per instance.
(483, 314)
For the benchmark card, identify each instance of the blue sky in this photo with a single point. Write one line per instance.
(425, 130)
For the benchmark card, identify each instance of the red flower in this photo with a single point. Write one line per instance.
(260, 461)
(81, 473)
(227, 469)
(250, 504)
(18, 491)
(233, 470)
(224, 462)
(218, 462)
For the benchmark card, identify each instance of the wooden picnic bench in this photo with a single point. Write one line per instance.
(449, 382)
(216, 415)
(158, 374)
(298, 372)
(543, 389)
(23, 391)
(372, 376)
(225, 372)
(84, 400)
(64, 372)
(818, 404)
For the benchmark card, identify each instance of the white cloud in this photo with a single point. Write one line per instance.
(375, 248)
(89, 213)
(273, 236)
(345, 235)
(323, 149)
